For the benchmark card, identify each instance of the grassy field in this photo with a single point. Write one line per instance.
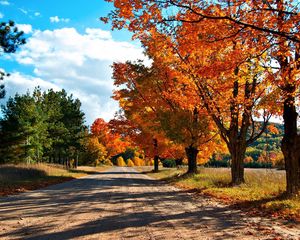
(22, 177)
(262, 191)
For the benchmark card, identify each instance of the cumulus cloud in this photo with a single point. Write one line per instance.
(26, 28)
(6, 3)
(56, 19)
(79, 63)
(18, 82)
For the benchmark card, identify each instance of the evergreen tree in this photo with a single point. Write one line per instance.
(45, 126)
(10, 39)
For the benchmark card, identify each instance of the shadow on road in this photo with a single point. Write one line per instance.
(89, 195)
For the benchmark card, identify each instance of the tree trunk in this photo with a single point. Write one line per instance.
(76, 161)
(191, 153)
(156, 158)
(237, 151)
(290, 147)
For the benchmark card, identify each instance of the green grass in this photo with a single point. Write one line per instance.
(23, 177)
(263, 188)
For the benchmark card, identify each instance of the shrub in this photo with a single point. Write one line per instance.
(248, 159)
(217, 163)
(150, 162)
(121, 162)
(169, 163)
(107, 162)
(138, 162)
(130, 163)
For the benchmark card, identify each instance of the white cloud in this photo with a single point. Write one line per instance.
(23, 11)
(20, 83)
(98, 33)
(37, 14)
(1, 15)
(26, 28)
(6, 3)
(79, 63)
(56, 19)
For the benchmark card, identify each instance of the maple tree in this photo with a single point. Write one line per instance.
(130, 124)
(145, 99)
(113, 142)
(230, 98)
(265, 27)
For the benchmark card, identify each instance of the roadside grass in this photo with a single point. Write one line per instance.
(23, 177)
(263, 190)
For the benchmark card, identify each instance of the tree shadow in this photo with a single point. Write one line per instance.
(152, 203)
(93, 194)
(18, 173)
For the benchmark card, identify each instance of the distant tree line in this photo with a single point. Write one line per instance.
(42, 127)
(265, 152)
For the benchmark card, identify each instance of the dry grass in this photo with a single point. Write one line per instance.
(263, 189)
(23, 177)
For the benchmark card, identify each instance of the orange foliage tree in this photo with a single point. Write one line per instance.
(114, 143)
(146, 98)
(264, 27)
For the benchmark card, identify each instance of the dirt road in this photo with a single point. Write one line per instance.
(124, 204)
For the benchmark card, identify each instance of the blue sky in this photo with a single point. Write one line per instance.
(67, 47)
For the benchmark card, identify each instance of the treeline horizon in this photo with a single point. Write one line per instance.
(48, 126)
(45, 126)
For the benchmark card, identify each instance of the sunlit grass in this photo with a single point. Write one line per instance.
(263, 188)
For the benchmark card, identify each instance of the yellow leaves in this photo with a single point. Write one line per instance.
(121, 162)
(138, 162)
(96, 150)
(130, 163)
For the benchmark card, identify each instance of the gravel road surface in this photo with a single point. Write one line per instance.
(124, 204)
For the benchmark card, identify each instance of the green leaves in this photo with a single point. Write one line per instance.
(40, 126)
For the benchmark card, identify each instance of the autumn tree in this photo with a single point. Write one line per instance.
(136, 128)
(139, 107)
(113, 142)
(146, 95)
(271, 26)
(95, 151)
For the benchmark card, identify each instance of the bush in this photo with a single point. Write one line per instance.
(248, 159)
(258, 164)
(217, 163)
(150, 162)
(107, 162)
(138, 162)
(130, 163)
(121, 162)
(169, 163)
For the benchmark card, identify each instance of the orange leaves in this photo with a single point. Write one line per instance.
(211, 56)
(272, 129)
(99, 127)
(112, 141)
